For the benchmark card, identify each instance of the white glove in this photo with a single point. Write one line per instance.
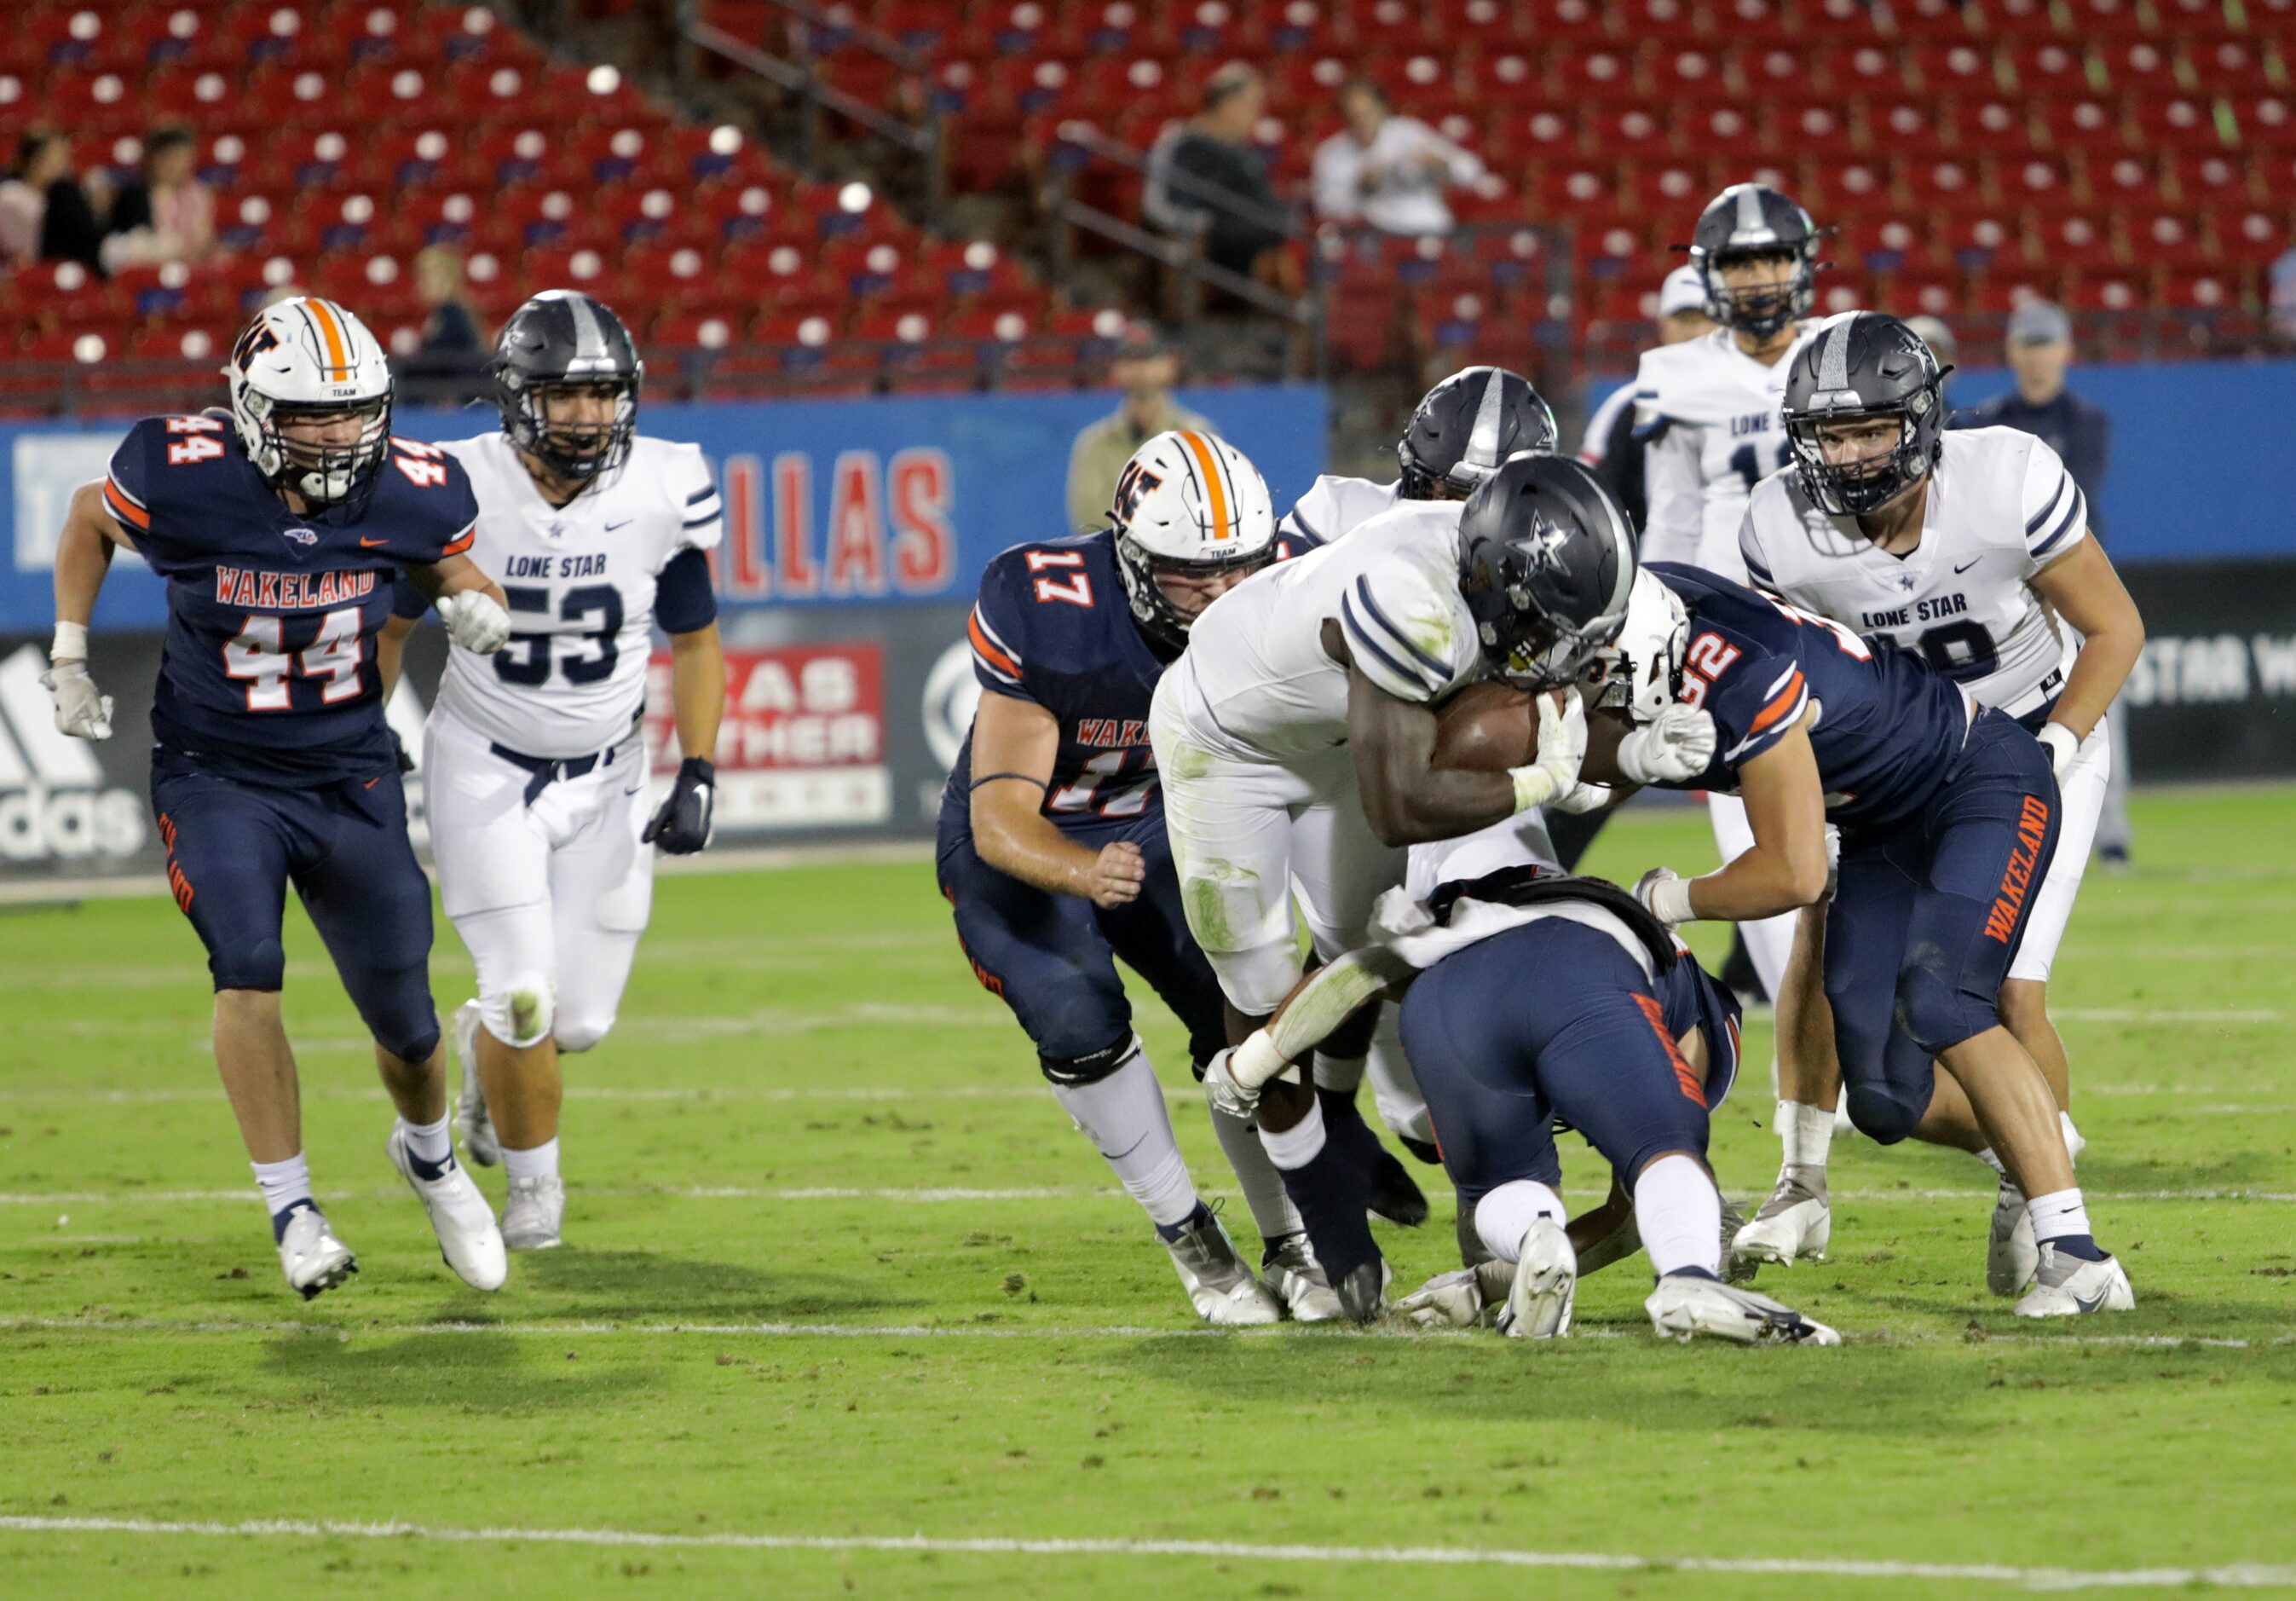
(1561, 747)
(1678, 744)
(1459, 1299)
(1665, 895)
(82, 711)
(475, 620)
(1585, 797)
(1225, 1094)
(2063, 744)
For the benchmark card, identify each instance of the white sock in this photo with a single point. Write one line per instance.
(1807, 1132)
(1272, 1211)
(1338, 1073)
(1678, 1213)
(429, 1142)
(1297, 1145)
(1505, 1214)
(1124, 1117)
(2058, 1213)
(284, 1182)
(537, 1162)
(2074, 1143)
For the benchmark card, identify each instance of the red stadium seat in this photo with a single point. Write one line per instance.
(2178, 242)
(2194, 19)
(695, 330)
(2086, 125)
(1905, 126)
(2233, 67)
(2255, 236)
(1603, 77)
(2127, 181)
(2140, 67)
(1982, 241)
(2112, 21)
(1485, 24)
(1634, 133)
(2210, 181)
(2176, 125)
(2266, 121)
(1685, 74)
(1381, 27)
(1958, 69)
(1556, 22)
(2049, 68)
(2020, 19)
(2077, 244)
(1918, 21)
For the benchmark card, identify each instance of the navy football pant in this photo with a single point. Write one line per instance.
(1926, 919)
(1549, 1019)
(1052, 957)
(233, 846)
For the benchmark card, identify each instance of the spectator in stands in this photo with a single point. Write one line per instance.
(1207, 180)
(2040, 347)
(1145, 368)
(165, 214)
(447, 366)
(2280, 307)
(1610, 446)
(1385, 171)
(45, 213)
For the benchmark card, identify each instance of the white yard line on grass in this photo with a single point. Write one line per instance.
(2238, 1575)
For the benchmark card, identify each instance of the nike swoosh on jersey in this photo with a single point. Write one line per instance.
(1965, 566)
(625, 522)
(370, 544)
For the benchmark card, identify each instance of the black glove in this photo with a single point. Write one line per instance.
(400, 754)
(682, 827)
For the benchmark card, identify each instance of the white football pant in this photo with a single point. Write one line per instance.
(548, 898)
(2082, 790)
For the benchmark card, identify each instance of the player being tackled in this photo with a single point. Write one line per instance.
(280, 526)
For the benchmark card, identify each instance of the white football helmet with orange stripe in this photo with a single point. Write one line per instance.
(1188, 505)
(308, 360)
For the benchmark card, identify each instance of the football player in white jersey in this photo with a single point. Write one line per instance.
(534, 761)
(1458, 434)
(1971, 549)
(1296, 738)
(1707, 411)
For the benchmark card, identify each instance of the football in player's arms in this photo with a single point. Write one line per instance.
(280, 526)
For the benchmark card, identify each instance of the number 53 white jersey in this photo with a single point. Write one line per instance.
(580, 582)
(2001, 506)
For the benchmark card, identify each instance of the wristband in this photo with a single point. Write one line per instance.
(71, 642)
(1534, 785)
(1669, 901)
(1256, 1060)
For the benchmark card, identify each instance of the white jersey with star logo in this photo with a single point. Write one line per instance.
(580, 582)
(2001, 507)
(1256, 683)
(1711, 413)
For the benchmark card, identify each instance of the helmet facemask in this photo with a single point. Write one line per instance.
(578, 452)
(1640, 674)
(325, 475)
(1874, 479)
(1761, 312)
(1159, 616)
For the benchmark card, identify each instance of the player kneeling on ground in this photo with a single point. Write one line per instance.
(280, 528)
(534, 760)
(1052, 846)
(1531, 998)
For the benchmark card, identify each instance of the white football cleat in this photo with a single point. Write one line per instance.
(1222, 1289)
(314, 1261)
(2011, 1256)
(1795, 1225)
(1546, 1277)
(460, 1216)
(1686, 1305)
(532, 1213)
(472, 1120)
(2071, 1286)
(1297, 1279)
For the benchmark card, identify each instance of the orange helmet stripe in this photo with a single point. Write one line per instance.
(324, 315)
(1222, 527)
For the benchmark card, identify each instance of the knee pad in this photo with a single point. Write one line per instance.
(261, 965)
(521, 1013)
(578, 1033)
(1937, 1013)
(408, 1025)
(1883, 1114)
(1069, 1071)
(1256, 980)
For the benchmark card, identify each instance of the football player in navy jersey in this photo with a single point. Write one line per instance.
(1948, 816)
(1052, 846)
(280, 526)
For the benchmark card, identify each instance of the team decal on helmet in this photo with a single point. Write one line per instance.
(1187, 503)
(1547, 565)
(306, 358)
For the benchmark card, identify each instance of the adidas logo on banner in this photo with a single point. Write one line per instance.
(54, 801)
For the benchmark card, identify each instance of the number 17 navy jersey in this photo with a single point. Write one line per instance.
(268, 672)
(1053, 627)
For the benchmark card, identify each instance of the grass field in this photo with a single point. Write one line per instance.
(839, 1275)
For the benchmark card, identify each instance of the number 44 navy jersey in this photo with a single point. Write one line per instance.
(1887, 725)
(1053, 627)
(269, 672)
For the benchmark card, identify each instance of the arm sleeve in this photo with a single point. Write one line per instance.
(1461, 163)
(1403, 634)
(995, 631)
(701, 514)
(1336, 172)
(128, 487)
(684, 601)
(1313, 517)
(2056, 513)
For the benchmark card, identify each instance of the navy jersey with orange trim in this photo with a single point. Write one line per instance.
(1053, 627)
(269, 672)
(1887, 725)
